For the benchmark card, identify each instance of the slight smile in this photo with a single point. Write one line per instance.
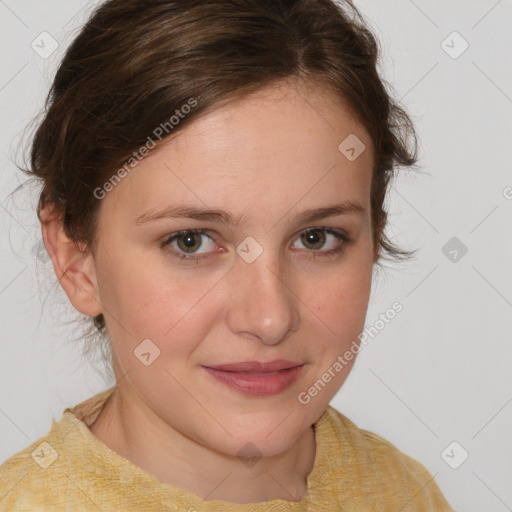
(257, 378)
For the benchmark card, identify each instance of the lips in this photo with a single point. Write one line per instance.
(257, 378)
(257, 366)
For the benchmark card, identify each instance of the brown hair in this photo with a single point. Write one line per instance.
(136, 62)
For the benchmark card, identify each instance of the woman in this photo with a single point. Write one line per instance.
(213, 175)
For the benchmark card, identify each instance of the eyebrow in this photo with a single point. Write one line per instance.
(224, 217)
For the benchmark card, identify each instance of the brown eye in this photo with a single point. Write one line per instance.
(314, 238)
(189, 243)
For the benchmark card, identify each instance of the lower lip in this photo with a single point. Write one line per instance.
(257, 384)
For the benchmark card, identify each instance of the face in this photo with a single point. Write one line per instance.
(267, 285)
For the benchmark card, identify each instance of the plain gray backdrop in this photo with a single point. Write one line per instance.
(436, 380)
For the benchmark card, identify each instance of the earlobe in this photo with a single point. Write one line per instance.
(73, 265)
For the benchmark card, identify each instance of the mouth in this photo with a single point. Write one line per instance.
(257, 378)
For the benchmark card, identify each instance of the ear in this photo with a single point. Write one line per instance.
(73, 266)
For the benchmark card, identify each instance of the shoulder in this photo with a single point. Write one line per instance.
(36, 476)
(371, 447)
(380, 465)
(368, 444)
(53, 471)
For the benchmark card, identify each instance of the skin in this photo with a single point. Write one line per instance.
(268, 158)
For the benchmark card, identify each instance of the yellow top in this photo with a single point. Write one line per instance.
(70, 469)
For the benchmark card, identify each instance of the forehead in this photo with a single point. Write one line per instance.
(282, 144)
(285, 119)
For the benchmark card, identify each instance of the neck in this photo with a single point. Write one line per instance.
(129, 427)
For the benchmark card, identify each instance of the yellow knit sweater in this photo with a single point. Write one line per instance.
(71, 470)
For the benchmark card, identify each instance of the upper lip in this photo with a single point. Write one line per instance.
(257, 366)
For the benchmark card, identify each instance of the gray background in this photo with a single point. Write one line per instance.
(440, 371)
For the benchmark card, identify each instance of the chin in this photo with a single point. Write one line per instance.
(255, 447)
(274, 437)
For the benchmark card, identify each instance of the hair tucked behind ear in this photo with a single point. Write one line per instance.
(136, 62)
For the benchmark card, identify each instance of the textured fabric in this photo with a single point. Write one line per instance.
(70, 469)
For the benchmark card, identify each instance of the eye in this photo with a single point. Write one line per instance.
(317, 238)
(190, 241)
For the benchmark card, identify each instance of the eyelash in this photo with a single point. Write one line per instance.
(183, 257)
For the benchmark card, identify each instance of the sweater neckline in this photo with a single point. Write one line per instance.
(94, 457)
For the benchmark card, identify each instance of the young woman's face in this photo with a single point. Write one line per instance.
(262, 286)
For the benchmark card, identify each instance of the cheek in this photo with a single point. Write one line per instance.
(149, 296)
(143, 302)
(340, 308)
(341, 299)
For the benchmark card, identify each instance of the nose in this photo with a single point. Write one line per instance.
(264, 306)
